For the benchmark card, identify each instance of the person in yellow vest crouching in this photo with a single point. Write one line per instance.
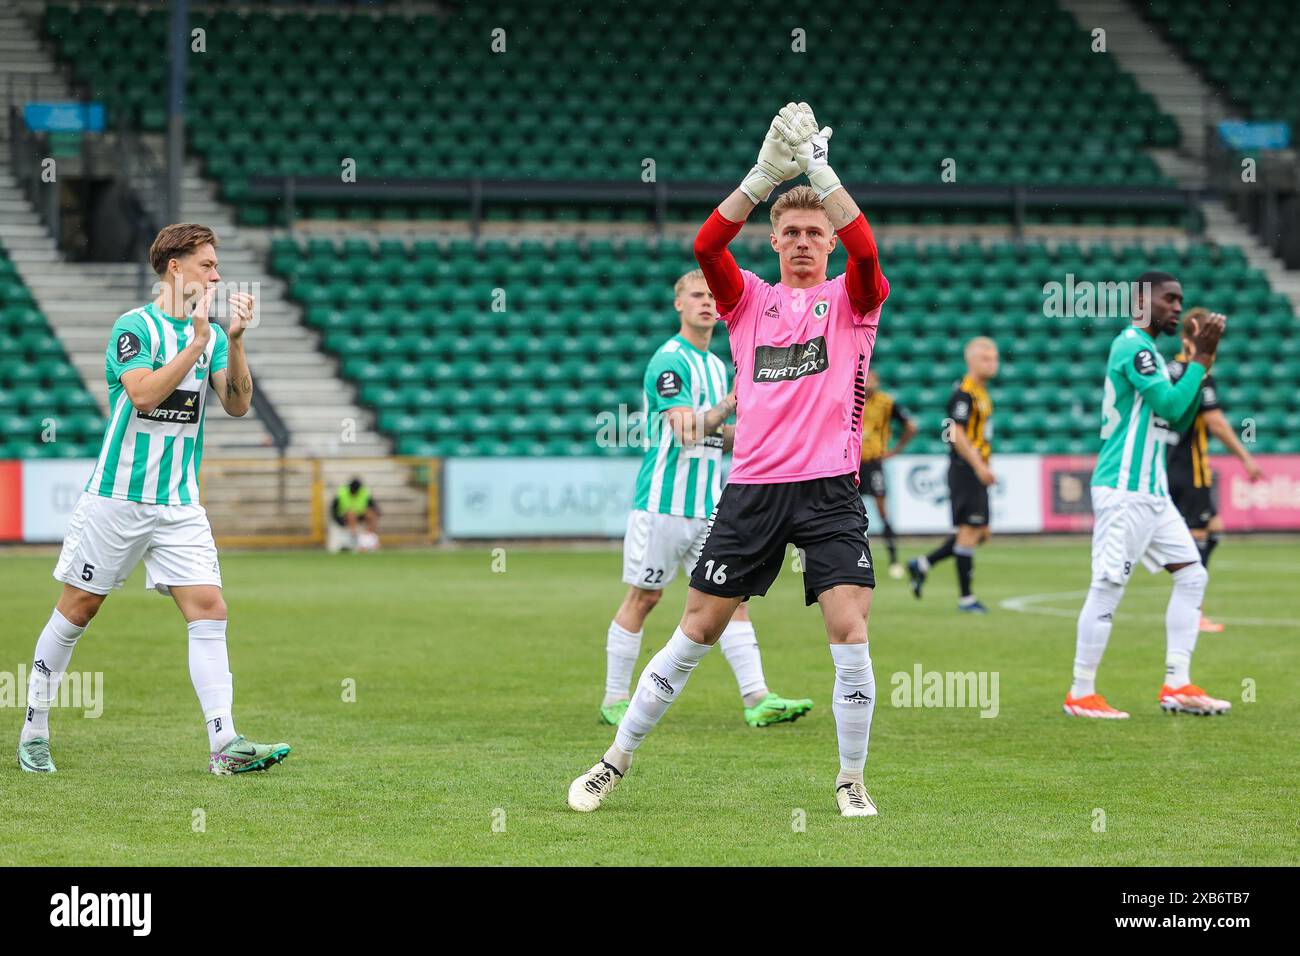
(356, 512)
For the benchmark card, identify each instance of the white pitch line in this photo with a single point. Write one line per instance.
(1029, 604)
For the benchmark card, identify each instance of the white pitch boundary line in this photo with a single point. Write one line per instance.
(1029, 604)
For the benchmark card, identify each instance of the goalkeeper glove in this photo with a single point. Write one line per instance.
(812, 155)
(776, 161)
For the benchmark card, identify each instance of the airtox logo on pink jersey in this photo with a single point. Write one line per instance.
(784, 363)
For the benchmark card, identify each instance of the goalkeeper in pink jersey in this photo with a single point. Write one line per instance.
(801, 350)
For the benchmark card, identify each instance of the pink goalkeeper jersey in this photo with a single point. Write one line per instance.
(801, 366)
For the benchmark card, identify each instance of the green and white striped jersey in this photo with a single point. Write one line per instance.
(154, 457)
(1142, 412)
(673, 479)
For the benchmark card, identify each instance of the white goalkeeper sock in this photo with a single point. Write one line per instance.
(1183, 622)
(53, 654)
(740, 647)
(1092, 632)
(622, 647)
(213, 682)
(660, 683)
(853, 703)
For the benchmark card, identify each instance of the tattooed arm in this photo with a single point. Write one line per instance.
(234, 383)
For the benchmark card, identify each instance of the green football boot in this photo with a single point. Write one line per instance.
(34, 755)
(241, 755)
(773, 710)
(613, 713)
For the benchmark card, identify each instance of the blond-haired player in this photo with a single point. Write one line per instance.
(801, 349)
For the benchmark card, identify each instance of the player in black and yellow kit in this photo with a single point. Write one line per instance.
(1191, 482)
(968, 431)
(879, 414)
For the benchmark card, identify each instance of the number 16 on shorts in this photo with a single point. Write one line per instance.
(717, 575)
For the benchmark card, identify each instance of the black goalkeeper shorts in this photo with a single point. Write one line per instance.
(824, 518)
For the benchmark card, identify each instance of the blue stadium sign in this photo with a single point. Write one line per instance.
(1242, 134)
(64, 117)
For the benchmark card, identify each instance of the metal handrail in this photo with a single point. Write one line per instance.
(476, 192)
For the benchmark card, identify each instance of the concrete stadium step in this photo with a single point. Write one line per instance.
(30, 86)
(26, 69)
(1142, 51)
(264, 494)
(258, 498)
(1224, 227)
(16, 210)
(31, 252)
(30, 230)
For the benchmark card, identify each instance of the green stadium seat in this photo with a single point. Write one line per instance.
(557, 362)
(1009, 110)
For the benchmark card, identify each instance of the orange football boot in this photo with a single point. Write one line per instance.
(1092, 705)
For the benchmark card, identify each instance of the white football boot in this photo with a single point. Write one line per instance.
(589, 791)
(854, 801)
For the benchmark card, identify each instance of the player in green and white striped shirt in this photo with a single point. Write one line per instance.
(153, 457)
(679, 478)
(1133, 517)
(142, 500)
(685, 402)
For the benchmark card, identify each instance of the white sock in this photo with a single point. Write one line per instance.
(1092, 633)
(740, 647)
(622, 647)
(1183, 623)
(853, 703)
(660, 683)
(213, 682)
(51, 658)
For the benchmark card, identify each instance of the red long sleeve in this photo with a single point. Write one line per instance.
(718, 264)
(864, 281)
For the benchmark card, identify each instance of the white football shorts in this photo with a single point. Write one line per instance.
(655, 545)
(1130, 526)
(107, 538)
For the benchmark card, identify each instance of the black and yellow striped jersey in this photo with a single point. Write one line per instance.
(878, 415)
(1188, 460)
(971, 409)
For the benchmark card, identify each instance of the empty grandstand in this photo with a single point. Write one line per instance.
(468, 221)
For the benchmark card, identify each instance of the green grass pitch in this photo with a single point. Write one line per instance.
(475, 705)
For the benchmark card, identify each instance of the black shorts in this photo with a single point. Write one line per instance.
(1196, 505)
(871, 478)
(970, 499)
(824, 518)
